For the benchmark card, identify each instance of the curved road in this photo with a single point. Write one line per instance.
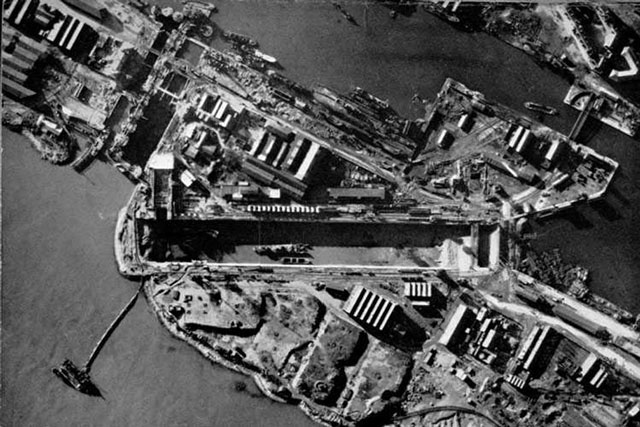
(448, 408)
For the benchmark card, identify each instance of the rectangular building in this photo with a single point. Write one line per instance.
(538, 350)
(515, 137)
(162, 165)
(523, 143)
(369, 307)
(528, 343)
(574, 318)
(455, 329)
(419, 293)
(358, 194)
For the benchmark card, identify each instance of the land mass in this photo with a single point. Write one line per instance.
(365, 267)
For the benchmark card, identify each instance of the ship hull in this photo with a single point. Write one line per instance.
(539, 108)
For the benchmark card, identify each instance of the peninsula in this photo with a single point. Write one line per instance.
(366, 267)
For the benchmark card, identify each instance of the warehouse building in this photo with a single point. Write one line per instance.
(541, 351)
(455, 331)
(419, 293)
(282, 159)
(574, 318)
(369, 308)
(360, 195)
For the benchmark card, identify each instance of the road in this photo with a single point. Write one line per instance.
(615, 328)
(448, 408)
(626, 363)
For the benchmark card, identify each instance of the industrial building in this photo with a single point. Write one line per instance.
(553, 152)
(465, 123)
(535, 352)
(89, 8)
(574, 318)
(72, 36)
(525, 350)
(528, 295)
(526, 174)
(214, 108)
(67, 32)
(520, 140)
(162, 166)
(20, 12)
(515, 381)
(591, 372)
(283, 209)
(360, 195)
(445, 139)
(419, 293)
(19, 54)
(630, 72)
(454, 332)
(281, 159)
(369, 308)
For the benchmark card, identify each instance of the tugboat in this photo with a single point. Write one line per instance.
(539, 108)
(77, 378)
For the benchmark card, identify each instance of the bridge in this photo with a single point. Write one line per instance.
(584, 114)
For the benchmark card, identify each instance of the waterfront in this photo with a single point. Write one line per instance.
(432, 245)
(61, 287)
(394, 59)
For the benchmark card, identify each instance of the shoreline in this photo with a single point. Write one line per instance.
(261, 382)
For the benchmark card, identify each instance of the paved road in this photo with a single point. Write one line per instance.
(625, 363)
(613, 326)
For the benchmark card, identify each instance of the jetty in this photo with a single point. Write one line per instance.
(78, 378)
(112, 327)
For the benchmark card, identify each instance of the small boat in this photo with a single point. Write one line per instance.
(539, 108)
(267, 58)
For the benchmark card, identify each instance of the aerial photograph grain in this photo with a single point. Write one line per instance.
(291, 213)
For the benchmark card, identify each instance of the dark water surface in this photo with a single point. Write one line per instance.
(61, 289)
(60, 284)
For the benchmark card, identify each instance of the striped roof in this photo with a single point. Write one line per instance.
(369, 307)
(15, 89)
(418, 289)
(18, 10)
(66, 33)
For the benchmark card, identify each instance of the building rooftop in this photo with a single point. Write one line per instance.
(162, 161)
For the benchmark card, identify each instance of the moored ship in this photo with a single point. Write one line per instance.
(77, 378)
(239, 38)
(267, 58)
(279, 251)
(539, 108)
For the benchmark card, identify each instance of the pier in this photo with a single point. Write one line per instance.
(584, 115)
(78, 378)
(112, 327)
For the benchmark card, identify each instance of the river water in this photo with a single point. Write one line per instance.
(61, 287)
